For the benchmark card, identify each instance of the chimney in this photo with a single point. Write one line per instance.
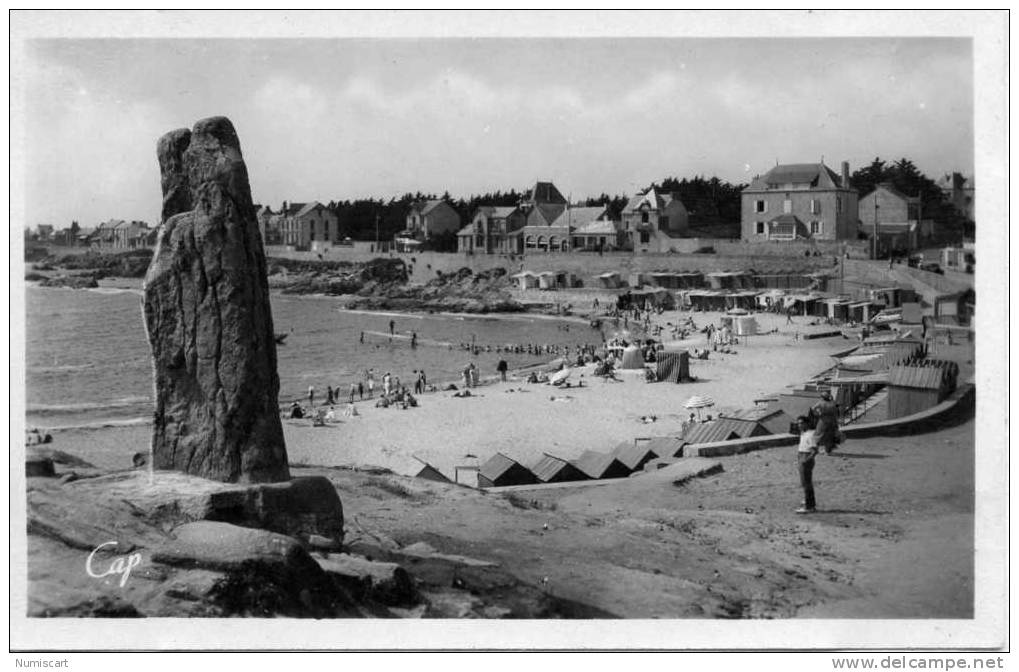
(845, 174)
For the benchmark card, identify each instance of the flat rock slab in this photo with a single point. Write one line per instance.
(226, 547)
(58, 457)
(300, 507)
(682, 470)
(84, 522)
(385, 582)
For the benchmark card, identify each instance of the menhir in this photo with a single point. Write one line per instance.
(208, 319)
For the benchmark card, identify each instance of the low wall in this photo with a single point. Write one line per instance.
(729, 256)
(960, 404)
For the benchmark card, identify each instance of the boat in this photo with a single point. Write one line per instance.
(280, 338)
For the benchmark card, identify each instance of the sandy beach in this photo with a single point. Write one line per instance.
(525, 420)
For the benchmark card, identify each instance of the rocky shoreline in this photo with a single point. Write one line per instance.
(380, 284)
(136, 543)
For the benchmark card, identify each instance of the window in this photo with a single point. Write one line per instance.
(815, 227)
(815, 206)
(760, 227)
(787, 206)
(838, 204)
(645, 237)
(760, 206)
(643, 218)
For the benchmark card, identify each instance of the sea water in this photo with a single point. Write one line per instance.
(88, 363)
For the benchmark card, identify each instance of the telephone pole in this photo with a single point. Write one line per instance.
(874, 244)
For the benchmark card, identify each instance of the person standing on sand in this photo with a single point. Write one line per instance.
(502, 367)
(413, 339)
(370, 375)
(392, 326)
(805, 455)
(311, 395)
(826, 413)
(353, 391)
(360, 390)
(386, 382)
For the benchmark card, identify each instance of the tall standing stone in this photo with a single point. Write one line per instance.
(208, 318)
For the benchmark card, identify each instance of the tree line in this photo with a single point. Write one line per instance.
(711, 202)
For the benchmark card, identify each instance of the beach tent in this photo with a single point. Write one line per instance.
(525, 279)
(773, 421)
(917, 387)
(547, 280)
(673, 367)
(430, 472)
(610, 280)
(634, 455)
(746, 299)
(551, 469)
(723, 429)
(601, 465)
(860, 311)
(663, 446)
(501, 470)
(730, 280)
(795, 403)
(632, 358)
(744, 325)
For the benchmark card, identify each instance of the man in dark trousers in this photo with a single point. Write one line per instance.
(805, 455)
(502, 367)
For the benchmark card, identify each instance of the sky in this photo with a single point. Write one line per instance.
(335, 119)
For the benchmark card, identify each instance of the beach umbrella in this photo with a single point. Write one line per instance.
(698, 402)
(559, 376)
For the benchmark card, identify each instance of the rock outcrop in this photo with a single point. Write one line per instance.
(208, 318)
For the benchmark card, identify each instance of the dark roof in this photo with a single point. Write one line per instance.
(923, 377)
(300, 209)
(816, 175)
(424, 207)
(654, 199)
(496, 466)
(722, 429)
(551, 468)
(496, 211)
(890, 188)
(664, 446)
(796, 404)
(545, 192)
(600, 465)
(634, 455)
(579, 216)
(773, 420)
(548, 212)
